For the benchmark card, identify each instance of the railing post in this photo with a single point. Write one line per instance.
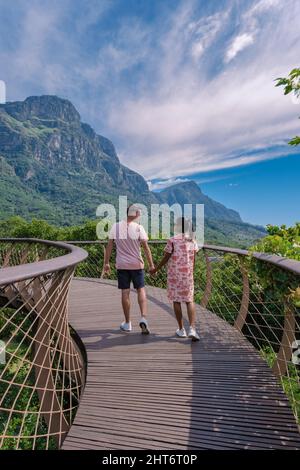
(104, 252)
(242, 315)
(288, 337)
(6, 259)
(208, 285)
(50, 406)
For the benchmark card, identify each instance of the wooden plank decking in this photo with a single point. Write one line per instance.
(162, 392)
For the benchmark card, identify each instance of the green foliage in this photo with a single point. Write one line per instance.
(291, 84)
(18, 371)
(290, 382)
(281, 241)
(221, 233)
(295, 141)
(17, 227)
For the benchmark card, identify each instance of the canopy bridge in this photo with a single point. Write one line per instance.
(70, 379)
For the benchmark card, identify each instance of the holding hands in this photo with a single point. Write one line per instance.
(106, 269)
(152, 270)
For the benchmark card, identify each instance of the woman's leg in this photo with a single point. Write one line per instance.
(178, 313)
(191, 313)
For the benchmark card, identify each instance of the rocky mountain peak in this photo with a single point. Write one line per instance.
(43, 107)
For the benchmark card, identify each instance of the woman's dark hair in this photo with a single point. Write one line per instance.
(184, 224)
(128, 208)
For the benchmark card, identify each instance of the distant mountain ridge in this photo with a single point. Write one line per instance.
(189, 192)
(55, 167)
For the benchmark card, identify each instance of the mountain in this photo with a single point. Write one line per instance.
(55, 167)
(190, 193)
(222, 225)
(60, 167)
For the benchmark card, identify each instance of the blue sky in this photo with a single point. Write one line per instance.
(184, 88)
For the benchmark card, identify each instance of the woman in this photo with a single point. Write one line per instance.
(180, 254)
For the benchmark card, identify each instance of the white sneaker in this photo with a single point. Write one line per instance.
(193, 334)
(181, 333)
(126, 326)
(144, 326)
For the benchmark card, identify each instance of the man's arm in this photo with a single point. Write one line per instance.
(148, 254)
(107, 255)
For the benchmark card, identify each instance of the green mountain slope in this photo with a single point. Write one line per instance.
(62, 160)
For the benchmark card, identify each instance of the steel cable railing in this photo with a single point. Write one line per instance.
(256, 293)
(42, 370)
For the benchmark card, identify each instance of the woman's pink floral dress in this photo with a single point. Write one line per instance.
(181, 268)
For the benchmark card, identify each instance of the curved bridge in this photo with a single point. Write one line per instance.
(238, 388)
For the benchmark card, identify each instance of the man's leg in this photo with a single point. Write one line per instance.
(126, 304)
(178, 313)
(142, 300)
(139, 285)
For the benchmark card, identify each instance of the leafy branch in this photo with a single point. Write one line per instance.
(291, 84)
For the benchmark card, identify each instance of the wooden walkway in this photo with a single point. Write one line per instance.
(162, 392)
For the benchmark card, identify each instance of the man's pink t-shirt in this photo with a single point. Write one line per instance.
(128, 237)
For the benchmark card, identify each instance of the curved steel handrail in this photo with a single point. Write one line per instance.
(279, 261)
(25, 271)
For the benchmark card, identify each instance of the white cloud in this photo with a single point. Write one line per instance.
(161, 90)
(91, 13)
(204, 31)
(158, 185)
(239, 43)
(195, 119)
(249, 27)
(262, 6)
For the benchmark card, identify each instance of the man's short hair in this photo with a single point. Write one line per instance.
(133, 210)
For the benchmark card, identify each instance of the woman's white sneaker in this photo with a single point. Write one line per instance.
(193, 334)
(126, 326)
(181, 333)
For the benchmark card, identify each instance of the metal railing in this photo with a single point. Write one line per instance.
(257, 293)
(42, 370)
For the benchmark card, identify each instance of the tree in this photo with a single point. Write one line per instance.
(291, 84)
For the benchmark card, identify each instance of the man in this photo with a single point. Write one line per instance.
(129, 236)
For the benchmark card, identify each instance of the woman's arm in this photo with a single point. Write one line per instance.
(163, 261)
